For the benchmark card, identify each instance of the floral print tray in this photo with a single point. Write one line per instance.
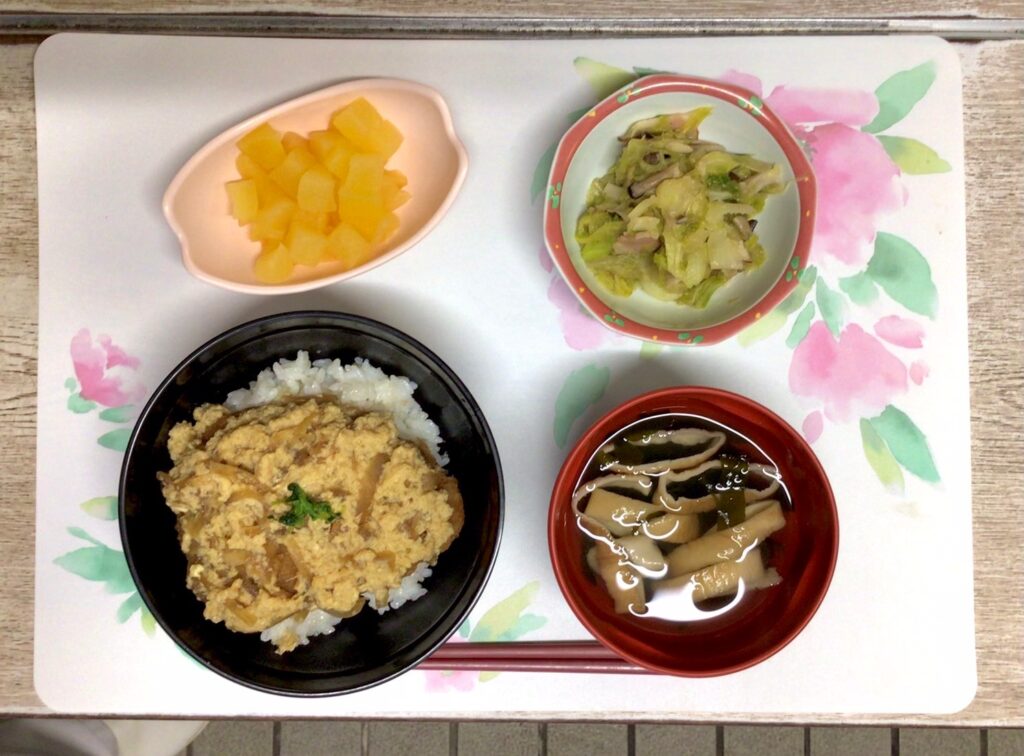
(867, 355)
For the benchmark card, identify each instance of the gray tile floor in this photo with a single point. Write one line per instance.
(294, 738)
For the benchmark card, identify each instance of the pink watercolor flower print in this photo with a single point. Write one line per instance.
(853, 376)
(106, 373)
(441, 680)
(900, 331)
(105, 376)
(580, 329)
(462, 680)
(858, 182)
(918, 372)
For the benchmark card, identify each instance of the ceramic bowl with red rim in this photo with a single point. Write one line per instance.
(761, 622)
(742, 123)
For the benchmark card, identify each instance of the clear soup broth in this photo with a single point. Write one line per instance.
(679, 513)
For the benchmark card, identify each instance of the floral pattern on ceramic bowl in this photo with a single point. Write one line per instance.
(740, 121)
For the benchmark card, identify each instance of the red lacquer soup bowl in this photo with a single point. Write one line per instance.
(764, 621)
(742, 123)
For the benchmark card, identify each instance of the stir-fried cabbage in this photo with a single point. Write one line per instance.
(675, 214)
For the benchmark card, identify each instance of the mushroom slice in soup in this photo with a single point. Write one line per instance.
(660, 451)
(693, 491)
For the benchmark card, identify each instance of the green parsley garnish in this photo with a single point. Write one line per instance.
(305, 507)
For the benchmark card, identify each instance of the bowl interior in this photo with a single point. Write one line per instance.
(765, 620)
(777, 226)
(430, 156)
(368, 648)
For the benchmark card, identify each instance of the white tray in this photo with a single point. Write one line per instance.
(118, 115)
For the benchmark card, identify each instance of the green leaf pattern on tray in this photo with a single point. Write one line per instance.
(801, 325)
(830, 305)
(859, 288)
(581, 389)
(898, 95)
(506, 621)
(99, 563)
(913, 157)
(904, 274)
(101, 507)
(116, 440)
(906, 442)
(880, 458)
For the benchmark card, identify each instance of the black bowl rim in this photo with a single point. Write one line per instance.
(341, 319)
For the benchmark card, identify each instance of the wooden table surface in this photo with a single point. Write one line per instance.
(994, 126)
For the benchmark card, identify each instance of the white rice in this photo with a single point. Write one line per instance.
(358, 385)
(409, 589)
(316, 622)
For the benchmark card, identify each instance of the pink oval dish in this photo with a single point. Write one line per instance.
(743, 123)
(214, 248)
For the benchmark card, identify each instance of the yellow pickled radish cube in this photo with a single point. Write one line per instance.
(291, 140)
(338, 158)
(391, 191)
(365, 176)
(356, 120)
(317, 190)
(389, 184)
(248, 168)
(273, 265)
(305, 244)
(268, 192)
(396, 200)
(397, 178)
(263, 144)
(364, 214)
(320, 222)
(385, 140)
(349, 246)
(322, 142)
(387, 225)
(271, 222)
(361, 124)
(244, 200)
(287, 174)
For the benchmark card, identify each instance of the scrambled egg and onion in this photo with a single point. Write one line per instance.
(303, 504)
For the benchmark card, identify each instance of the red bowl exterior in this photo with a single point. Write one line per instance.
(766, 620)
(736, 96)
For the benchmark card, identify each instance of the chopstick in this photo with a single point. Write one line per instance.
(527, 650)
(533, 656)
(533, 665)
